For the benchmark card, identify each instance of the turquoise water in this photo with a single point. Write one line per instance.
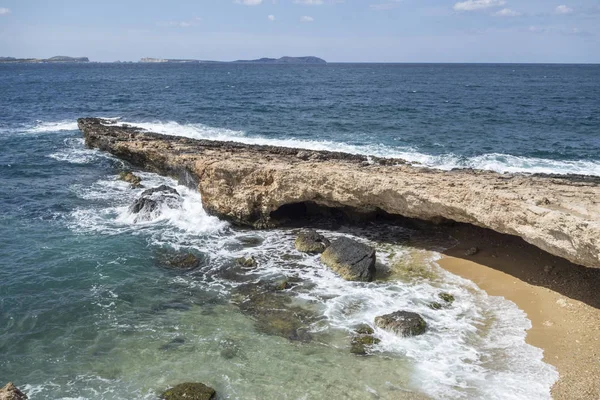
(88, 309)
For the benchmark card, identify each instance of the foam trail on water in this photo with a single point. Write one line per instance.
(57, 126)
(492, 161)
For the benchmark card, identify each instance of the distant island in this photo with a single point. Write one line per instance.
(57, 59)
(282, 60)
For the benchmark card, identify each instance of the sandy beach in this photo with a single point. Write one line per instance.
(561, 300)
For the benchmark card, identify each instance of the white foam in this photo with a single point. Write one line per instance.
(57, 126)
(75, 152)
(492, 161)
(167, 225)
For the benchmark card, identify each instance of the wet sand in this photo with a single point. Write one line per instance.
(561, 299)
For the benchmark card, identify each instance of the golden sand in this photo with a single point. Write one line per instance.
(561, 299)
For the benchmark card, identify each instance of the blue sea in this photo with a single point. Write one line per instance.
(89, 309)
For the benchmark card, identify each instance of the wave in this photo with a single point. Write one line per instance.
(58, 126)
(492, 161)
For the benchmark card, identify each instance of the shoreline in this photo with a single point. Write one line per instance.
(565, 326)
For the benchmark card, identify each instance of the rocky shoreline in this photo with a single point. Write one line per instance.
(264, 186)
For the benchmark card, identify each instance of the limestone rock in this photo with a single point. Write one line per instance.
(353, 260)
(249, 184)
(11, 392)
(310, 241)
(189, 391)
(130, 177)
(404, 323)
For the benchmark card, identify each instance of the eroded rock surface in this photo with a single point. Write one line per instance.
(249, 184)
(11, 392)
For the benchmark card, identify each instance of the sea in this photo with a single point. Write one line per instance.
(90, 307)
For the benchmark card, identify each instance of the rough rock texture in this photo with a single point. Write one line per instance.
(11, 392)
(310, 241)
(354, 261)
(130, 177)
(189, 391)
(404, 323)
(248, 184)
(151, 199)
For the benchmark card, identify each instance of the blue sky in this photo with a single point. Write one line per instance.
(337, 30)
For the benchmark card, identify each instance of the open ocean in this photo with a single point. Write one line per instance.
(88, 309)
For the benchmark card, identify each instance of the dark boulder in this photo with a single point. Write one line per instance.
(310, 241)
(354, 261)
(11, 392)
(404, 323)
(152, 199)
(189, 391)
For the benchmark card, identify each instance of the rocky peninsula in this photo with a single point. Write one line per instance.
(264, 186)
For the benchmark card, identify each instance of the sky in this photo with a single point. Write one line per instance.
(528, 31)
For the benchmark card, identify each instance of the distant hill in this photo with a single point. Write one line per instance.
(265, 60)
(286, 60)
(56, 59)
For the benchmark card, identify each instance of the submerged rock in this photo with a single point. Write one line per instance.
(173, 344)
(310, 241)
(404, 323)
(363, 340)
(353, 260)
(247, 262)
(447, 297)
(182, 261)
(11, 392)
(130, 177)
(274, 315)
(189, 391)
(152, 199)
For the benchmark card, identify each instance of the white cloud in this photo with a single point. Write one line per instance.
(4, 11)
(562, 9)
(248, 2)
(470, 5)
(306, 18)
(271, 17)
(309, 2)
(507, 12)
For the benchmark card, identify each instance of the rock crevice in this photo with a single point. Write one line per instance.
(249, 184)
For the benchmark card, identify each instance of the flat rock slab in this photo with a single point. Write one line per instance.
(247, 184)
